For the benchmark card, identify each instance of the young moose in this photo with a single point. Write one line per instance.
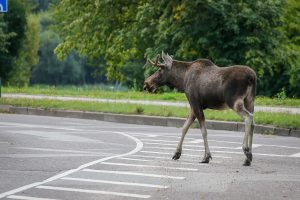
(208, 86)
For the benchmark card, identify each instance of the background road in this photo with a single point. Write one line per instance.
(59, 158)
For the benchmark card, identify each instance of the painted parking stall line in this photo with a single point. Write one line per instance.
(187, 149)
(139, 146)
(141, 196)
(148, 166)
(134, 174)
(181, 161)
(28, 198)
(188, 155)
(131, 171)
(295, 155)
(134, 159)
(115, 182)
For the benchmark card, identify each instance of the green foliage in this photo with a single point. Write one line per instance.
(42, 5)
(4, 36)
(108, 91)
(228, 32)
(12, 33)
(281, 94)
(291, 29)
(277, 119)
(103, 29)
(28, 55)
(49, 69)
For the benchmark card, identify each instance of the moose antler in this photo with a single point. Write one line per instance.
(157, 63)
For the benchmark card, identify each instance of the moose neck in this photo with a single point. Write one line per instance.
(177, 75)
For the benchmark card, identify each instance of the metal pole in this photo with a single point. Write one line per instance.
(0, 87)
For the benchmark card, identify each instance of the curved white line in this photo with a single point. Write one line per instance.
(139, 146)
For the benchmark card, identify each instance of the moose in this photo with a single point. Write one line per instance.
(208, 86)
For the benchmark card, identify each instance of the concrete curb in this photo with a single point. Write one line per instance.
(148, 120)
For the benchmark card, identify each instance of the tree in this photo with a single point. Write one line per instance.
(227, 32)
(4, 36)
(28, 55)
(49, 70)
(12, 32)
(291, 29)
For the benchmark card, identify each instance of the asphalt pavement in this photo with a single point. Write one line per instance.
(46, 158)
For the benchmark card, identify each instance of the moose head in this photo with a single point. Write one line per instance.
(160, 77)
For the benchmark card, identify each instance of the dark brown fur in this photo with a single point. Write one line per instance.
(208, 86)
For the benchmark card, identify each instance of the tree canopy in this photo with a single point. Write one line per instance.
(228, 32)
(12, 34)
(117, 36)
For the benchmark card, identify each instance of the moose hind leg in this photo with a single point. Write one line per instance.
(185, 128)
(249, 127)
(207, 155)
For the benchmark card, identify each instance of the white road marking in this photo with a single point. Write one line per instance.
(195, 141)
(94, 192)
(139, 146)
(198, 146)
(57, 150)
(53, 155)
(163, 136)
(227, 152)
(40, 126)
(181, 161)
(280, 146)
(295, 155)
(254, 146)
(225, 135)
(144, 156)
(144, 134)
(115, 182)
(133, 173)
(134, 159)
(152, 140)
(27, 198)
(148, 166)
(166, 153)
(258, 145)
(174, 145)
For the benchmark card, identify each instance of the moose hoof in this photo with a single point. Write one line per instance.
(176, 156)
(206, 158)
(249, 156)
(247, 162)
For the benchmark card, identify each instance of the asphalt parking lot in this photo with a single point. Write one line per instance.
(60, 158)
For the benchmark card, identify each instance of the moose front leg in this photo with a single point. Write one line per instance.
(185, 128)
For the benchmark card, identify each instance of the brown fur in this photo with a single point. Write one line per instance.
(208, 86)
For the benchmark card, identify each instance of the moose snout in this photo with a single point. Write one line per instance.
(146, 86)
(149, 87)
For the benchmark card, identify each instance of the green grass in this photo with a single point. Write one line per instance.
(106, 92)
(276, 119)
(94, 92)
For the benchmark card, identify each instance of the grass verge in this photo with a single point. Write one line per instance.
(276, 119)
(100, 92)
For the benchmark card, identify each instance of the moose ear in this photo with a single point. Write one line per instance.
(167, 59)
